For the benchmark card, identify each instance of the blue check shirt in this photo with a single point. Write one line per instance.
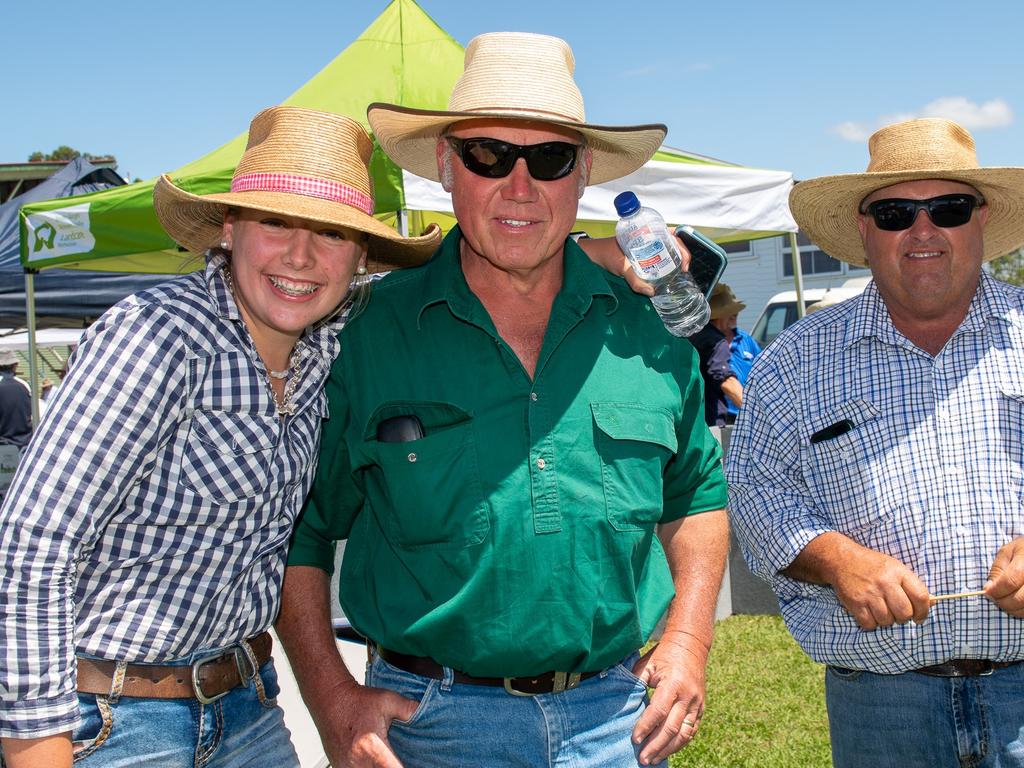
(932, 471)
(150, 518)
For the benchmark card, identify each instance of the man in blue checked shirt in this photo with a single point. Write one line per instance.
(877, 469)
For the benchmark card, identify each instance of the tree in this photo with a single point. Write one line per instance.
(1009, 268)
(65, 153)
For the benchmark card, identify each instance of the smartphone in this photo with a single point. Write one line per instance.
(399, 429)
(707, 259)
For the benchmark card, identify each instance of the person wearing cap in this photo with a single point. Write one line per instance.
(144, 535)
(523, 477)
(15, 402)
(876, 470)
(723, 388)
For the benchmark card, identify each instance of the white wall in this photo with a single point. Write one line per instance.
(756, 277)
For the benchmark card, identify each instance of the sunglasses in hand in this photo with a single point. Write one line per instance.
(895, 214)
(494, 159)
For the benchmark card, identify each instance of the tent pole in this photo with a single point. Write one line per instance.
(402, 222)
(33, 367)
(798, 275)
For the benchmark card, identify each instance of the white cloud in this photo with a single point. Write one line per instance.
(852, 131)
(699, 66)
(992, 114)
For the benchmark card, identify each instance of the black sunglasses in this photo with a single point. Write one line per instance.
(945, 211)
(495, 159)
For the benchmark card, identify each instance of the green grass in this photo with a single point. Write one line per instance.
(765, 705)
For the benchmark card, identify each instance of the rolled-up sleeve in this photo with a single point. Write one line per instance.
(693, 481)
(770, 507)
(119, 401)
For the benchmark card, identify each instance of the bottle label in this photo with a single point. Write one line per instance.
(649, 255)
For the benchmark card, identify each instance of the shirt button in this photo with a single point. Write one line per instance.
(943, 414)
(541, 463)
(961, 530)
(412, 457)
(953, 469)
(533, 396)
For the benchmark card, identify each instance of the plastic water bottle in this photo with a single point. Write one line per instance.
(655, 257)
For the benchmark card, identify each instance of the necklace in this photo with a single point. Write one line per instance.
(290, 375)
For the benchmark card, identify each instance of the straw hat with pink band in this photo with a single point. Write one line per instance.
(513, 76)
(298, 162)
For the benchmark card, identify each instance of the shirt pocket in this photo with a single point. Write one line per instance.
(635, 443)
(228, 456)
(847, 473)
(429, 489)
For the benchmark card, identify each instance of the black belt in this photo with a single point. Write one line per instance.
(965, 667)
(548, 682)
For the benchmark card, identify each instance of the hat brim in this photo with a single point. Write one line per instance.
(409, 137)
(732, 308)
(826, 208)
(196, 222)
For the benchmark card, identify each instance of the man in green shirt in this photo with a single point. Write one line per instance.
(517, 456)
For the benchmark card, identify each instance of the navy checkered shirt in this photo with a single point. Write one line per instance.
(150, 518)
(932, 472)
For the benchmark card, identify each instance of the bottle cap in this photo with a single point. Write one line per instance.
(626, 204)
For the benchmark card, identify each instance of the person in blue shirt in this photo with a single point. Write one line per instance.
(725, 310)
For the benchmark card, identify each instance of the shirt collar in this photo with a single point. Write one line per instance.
(444, 281)
(217, 285)
(871, 317)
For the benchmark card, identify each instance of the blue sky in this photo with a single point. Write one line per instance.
(785, 85)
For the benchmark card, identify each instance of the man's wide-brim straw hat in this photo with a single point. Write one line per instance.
(724, 302)
(298, 162)
(930, 148)
(513, 76)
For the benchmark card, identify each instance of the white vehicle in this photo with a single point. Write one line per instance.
(780, 311)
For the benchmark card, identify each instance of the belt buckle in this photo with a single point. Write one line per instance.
(242, 663)
(562, 681)
(987, 668)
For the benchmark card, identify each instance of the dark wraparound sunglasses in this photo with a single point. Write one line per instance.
(945, 211)
(495, 159)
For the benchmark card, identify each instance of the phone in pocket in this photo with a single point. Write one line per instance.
(707, 258)
(399, 429)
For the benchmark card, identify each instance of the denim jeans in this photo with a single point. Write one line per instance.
(244, 728)
(471, 725)
(913, 720)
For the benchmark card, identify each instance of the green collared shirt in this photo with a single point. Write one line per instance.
(517, 535)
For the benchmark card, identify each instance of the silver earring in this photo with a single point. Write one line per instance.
(361, 270)
(225, 245)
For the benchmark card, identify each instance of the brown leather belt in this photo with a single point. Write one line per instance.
(548, 682)
(965, 667)
(206, 679)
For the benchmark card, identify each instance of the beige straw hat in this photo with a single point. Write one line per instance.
(298, 162)
(930, 148)
(516, 76)
(724, 302)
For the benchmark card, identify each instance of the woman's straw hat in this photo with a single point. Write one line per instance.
(930, 148)
(514, 76)
(724, 302)
(298, 162)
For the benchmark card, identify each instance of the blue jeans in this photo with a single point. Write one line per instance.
(913, 720)
(244, 728)
(473, 725)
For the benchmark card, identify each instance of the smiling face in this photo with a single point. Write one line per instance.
(515, 223)
(287, 273)
(925, 273)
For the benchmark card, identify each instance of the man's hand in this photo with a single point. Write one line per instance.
(354, 726)
(675, 669)
(43, 752)
(353, 720)
(874, 588)
(1005, 585)
(605, 252)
